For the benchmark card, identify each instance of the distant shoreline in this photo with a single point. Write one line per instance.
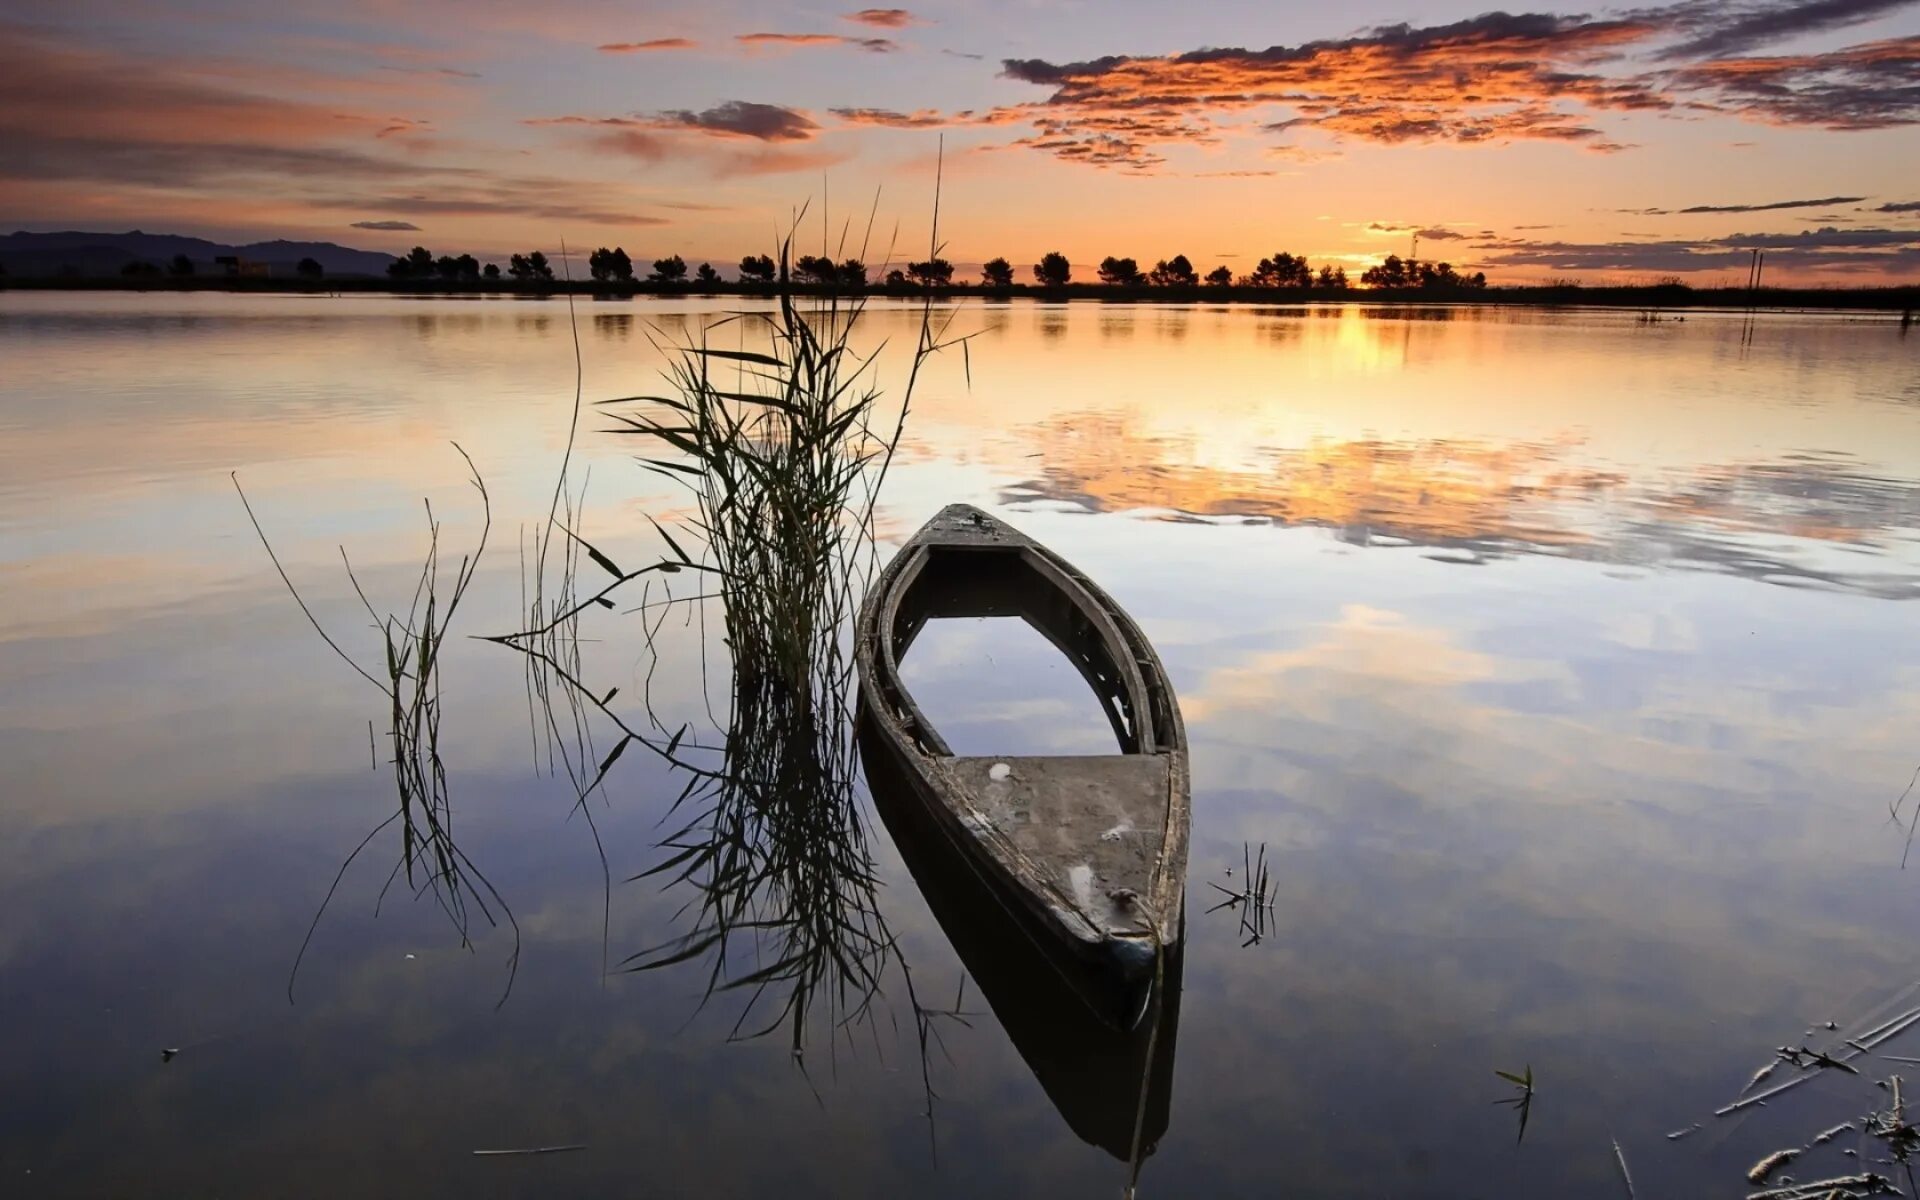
(1904, 298)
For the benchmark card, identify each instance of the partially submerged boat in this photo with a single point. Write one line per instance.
(1094, 1075)
(1088, 854)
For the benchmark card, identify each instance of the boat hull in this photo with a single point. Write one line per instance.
(1087, 855)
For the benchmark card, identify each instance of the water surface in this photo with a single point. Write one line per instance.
(1564, 664)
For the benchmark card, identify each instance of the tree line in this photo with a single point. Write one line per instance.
(1280, 271)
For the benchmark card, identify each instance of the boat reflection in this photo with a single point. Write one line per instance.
(1114, 1090)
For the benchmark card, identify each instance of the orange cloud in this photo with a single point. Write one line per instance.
(876, 45)
(1494, 78)
(882, 18)
(667, 43)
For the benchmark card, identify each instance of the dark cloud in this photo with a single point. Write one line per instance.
(1900, 206)
(1433, 233)
(1718, 28)
(882, 18)
(387, 226)
(876, 45)
(1823, 202)
(963, 54)
(654, 44)
(1871, 86)
(546, 200)
(1883, 252)
(1823, 238)
(745, 119)
(888, 118)
(80, 115)
(700, 137)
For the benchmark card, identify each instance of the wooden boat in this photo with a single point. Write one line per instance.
(1094, 1075)
(1088, 854)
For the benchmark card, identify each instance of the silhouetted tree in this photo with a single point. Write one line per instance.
(997, 273)
(935, 272)
(1174, 272)
(610, 265)
(447, 267)
(309, 268)
(757, 267)
(1283, 270)
(420, 262)
(1220, 276)
(399, 268)
(466, 267)
(1325, 278)
(139, 268)
(181, 267)
(1121, 272)
(1053, 270)
(492, 271)
(1391, 272)
(530, 267)
(671, 269)
(815, 268)
(896, 278)
(706, 274)
(852, 273)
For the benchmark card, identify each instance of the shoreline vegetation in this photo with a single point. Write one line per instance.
(1283, 279)
(1895, 298)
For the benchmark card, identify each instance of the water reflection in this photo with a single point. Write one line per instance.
(613, 326)
(1485, 501)
(1623, 822)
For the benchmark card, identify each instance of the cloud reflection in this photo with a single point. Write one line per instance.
(1798, 520)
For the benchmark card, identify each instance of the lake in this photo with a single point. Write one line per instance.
(1563, 662)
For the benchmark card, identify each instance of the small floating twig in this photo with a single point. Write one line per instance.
(1773, 1162)
(1758, 1077)
(1689, 1131)
(1876, 1036)
(1881, 1032)
(1843, 1185)
(1763, 1097)
(527, 1150)
(1626, 1176)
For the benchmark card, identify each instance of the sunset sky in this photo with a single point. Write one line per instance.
(1623, 143)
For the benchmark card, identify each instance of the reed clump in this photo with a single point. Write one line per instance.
(781, 434)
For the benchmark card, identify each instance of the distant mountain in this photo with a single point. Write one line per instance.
(73, 251)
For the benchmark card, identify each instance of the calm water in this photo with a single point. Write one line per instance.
(1565, 665)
